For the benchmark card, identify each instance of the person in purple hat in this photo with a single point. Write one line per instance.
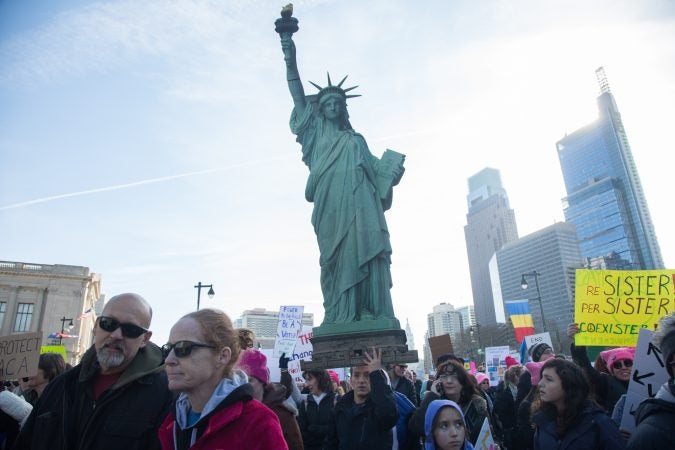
(445, 427)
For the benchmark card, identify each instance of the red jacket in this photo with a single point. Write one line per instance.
(246, 424)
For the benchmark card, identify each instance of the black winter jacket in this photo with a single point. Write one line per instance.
(126, 416)
(608, 389)
(506, 413)
(367, 426)
(655, 420)
(592, 430)
(407, 388)
(316, 421)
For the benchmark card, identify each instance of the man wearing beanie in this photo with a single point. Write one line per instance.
(541, 352)
(655, 417)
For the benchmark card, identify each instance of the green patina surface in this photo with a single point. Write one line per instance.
(350, 189)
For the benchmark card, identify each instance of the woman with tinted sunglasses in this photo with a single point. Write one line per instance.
(608, 387)
(215, 408)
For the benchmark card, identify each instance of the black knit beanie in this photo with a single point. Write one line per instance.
(539, 350)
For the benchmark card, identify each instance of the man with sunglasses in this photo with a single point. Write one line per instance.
(118, 395)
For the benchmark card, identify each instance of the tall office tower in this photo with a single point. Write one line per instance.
(467, 317)
(409, 336)
(604, 195)
(443, 320)
(490, 224)
(552, 252)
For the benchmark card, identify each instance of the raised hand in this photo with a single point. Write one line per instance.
(373, 362)
(572, 329)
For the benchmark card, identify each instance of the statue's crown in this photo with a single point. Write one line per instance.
(331, 89)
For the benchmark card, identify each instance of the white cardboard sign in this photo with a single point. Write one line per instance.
(538, 339)
(485, 440)
(495, 363)
(288, 329)
(648, 375)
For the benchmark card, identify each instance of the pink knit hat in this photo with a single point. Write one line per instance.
(535, 371)
(617, 354)
(480, 377)
(254, 363)
(511, 361)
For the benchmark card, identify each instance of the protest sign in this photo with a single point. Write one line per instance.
(495, 364)
(439, 345)
(19, 355)
(288, 329)
(611, 306)
(60, 349)
(538, 339)
(648, 375)
(303, 352)
(485, 440)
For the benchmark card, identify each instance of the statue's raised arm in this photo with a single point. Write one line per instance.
(286, 26)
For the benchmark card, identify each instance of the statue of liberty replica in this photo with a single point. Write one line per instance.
(350, 189)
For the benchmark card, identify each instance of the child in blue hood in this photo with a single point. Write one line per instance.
(444, 427)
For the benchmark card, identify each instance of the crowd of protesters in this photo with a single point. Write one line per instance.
(208, 388)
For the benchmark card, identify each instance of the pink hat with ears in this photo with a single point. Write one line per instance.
(534, 368)
(617, 354)
(480, 377)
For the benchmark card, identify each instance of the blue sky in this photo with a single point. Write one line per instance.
(149, 140)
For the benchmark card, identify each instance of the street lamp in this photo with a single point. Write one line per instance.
(523, 284)
(476, 328)
(63, 327)
(199, 287)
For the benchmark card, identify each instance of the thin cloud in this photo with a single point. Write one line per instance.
(143, 182)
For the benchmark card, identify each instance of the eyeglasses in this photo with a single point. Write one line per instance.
(25, 379)
(622, 362)
(448, 376)
(182, 348)
(129, 330)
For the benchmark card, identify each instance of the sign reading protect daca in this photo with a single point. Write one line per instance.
(611, 306)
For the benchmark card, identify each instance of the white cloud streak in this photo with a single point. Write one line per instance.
(144, 182)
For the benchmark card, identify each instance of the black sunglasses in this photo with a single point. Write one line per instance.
(625, 362)
(129, 330)
(182, 348)
(25, 379)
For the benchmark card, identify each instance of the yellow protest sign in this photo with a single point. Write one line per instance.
(60, 349)
(611, 306)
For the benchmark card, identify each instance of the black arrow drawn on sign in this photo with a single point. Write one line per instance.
(657, 352)
(649, 391)
(638, 379)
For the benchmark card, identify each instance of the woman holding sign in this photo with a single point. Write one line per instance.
(610, 387)
(565, 418)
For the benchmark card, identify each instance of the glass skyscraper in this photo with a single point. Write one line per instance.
(604, 195)
(490, 224)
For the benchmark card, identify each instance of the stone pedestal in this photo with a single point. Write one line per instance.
(348, 350)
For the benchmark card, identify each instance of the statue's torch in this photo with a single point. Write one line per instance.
(286, 25)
